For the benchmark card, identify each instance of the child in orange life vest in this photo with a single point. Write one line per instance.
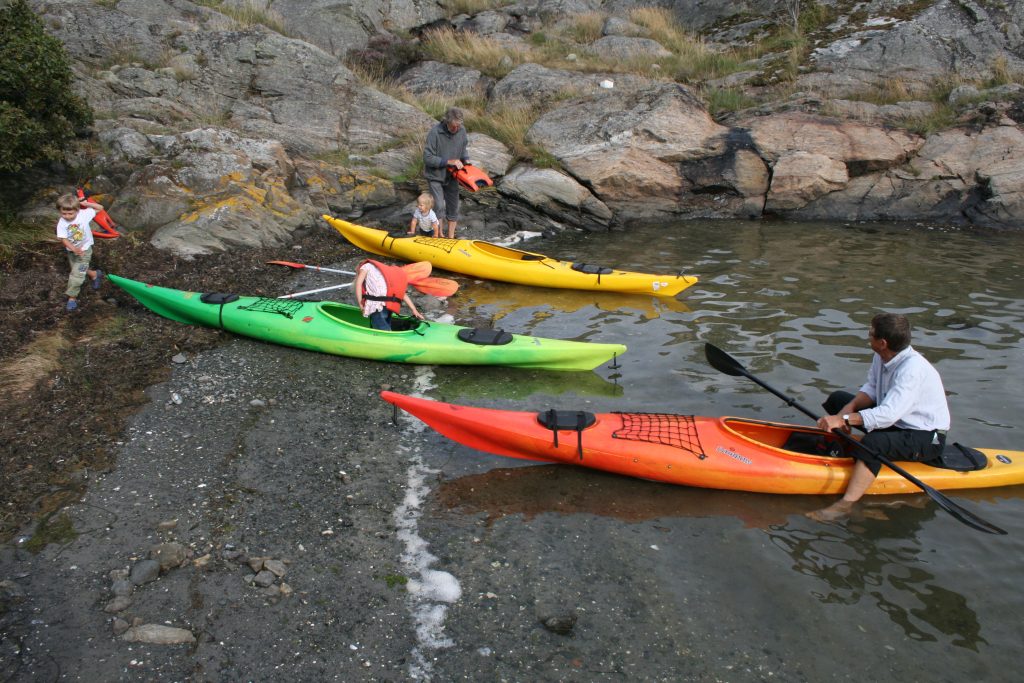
(75, 234)
(380, 292)
(424, 217)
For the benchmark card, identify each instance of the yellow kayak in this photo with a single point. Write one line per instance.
(494, 262)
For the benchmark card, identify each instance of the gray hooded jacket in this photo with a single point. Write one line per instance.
(441, 146)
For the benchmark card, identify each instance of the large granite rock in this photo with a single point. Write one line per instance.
(557, 195)
(957, 176)
(628, 148)
(945, 38)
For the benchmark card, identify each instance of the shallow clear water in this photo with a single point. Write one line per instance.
(900, 586)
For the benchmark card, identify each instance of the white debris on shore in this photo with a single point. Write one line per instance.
(430, 590)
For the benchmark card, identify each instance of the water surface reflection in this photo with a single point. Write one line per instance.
(883, 562)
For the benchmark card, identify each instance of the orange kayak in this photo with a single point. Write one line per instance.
(710, 452)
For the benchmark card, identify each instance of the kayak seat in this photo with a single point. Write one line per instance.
(484, 336)
(814, 444)
(960, 459)
(567, 420)
(218, 298)
(404, 324)
(591, 269)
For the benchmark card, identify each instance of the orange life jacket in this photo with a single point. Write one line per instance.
(396, 280)
(471, 177)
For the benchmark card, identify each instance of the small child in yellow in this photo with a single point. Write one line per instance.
(75, 234)
(424, 217)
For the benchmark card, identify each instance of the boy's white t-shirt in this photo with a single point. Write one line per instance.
(77, 230)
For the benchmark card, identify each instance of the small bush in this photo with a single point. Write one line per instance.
(723, 100)
(38, 111)
(384, 57)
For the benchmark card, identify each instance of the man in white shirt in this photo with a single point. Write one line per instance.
(902, 406)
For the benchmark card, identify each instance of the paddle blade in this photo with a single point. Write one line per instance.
(436, 286)
(417, 271)
(723, 362)
(290, 264)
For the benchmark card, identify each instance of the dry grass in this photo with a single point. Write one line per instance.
(250, 13)
(38, 360)
(485, 54)
(15, 235)
(508, 122)
(585, 28)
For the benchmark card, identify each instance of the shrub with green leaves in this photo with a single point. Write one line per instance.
(38, 111)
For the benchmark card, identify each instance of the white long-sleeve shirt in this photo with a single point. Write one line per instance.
(907, 392)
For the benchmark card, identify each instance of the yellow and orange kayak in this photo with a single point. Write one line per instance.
(710, 452)
(489, 261)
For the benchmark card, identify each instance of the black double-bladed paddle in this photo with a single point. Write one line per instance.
(723, 362)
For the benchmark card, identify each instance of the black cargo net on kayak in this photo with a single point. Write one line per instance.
(285, 307)
(443, 243)
(567, 420)
(678, 431)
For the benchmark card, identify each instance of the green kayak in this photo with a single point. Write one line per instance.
(341, 329)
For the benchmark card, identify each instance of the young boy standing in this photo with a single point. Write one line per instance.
(75, 234)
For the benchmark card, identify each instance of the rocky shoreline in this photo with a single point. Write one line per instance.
(219, 129)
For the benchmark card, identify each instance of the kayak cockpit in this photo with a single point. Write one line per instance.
(353, 317)
(789, 438)
(498, 251)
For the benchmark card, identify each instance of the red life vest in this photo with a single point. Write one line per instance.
(396, 280)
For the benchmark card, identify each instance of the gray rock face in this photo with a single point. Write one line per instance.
(961, 38)
(536, 83)
(626, 47)
(558, 195)
(630, 152)
(488, 154)
(341, 26)
(952, 177)
(436, 77)
(220, 133)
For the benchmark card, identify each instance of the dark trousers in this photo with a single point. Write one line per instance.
(381, 320)
(446, 199)
(916, 445)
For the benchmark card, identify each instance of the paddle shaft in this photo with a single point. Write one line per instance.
(314, 291)
(292, 264)
(722, 361)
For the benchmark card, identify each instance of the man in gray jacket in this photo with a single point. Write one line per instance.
(446, 147)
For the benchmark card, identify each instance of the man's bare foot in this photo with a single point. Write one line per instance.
(837, 510)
